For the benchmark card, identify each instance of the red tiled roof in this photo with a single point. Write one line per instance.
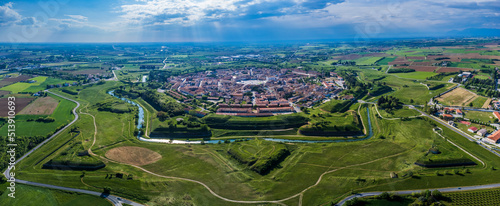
(495, 136)
(497, 115)
(473, 128)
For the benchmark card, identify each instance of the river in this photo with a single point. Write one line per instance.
(140, 122)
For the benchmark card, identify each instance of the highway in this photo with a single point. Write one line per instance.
(113, 199)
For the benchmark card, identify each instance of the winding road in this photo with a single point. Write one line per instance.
(113, 199)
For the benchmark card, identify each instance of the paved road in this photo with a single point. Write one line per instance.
(113, 199)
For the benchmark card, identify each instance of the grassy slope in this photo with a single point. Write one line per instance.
(405, 142)
(30, 195)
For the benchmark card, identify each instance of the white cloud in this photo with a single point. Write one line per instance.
(78, 17)
(74, 21)
(8, 15)
(184, 12)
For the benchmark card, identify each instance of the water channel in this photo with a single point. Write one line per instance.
(140, 122)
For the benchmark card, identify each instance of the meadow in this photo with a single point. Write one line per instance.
(31, 195)
(416, 75)
(402, 143)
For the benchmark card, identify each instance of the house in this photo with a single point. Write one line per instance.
(459, 112)
(494, 138)
(447, 116)
(472, 129)
(465, 122)
(497, 115)
(481, 132)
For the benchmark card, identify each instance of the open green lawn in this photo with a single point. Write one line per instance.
(30, 195)
(480, 116)
(416, 75)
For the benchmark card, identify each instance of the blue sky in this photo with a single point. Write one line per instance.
(238, 20)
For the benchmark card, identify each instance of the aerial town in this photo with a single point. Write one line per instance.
(255, 92)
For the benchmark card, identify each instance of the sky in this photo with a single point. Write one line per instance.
(241, 20)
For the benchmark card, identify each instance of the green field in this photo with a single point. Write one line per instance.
(480, 116)
(21, 86)
(62, 115)
(367, 60)
(386, 60)
(405, 89)
(211, 164)
(398, 113)
(479, 102)
(415, 75)
(30, 195)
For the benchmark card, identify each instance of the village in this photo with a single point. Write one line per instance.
(253, 92)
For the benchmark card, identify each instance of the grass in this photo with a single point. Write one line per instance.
(367, 60)
(416, 75)
(398, 113)
(62, 115)
(386, 60)
(43, 86)
(480, 116)
(30, 195)
(457, 97)
(479, 102)
(395, 146)
(21, 86)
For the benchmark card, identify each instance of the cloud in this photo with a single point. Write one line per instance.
(74, 21)
(8, 15)
(78, 17)
(190, 12)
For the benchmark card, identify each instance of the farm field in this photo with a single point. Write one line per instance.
(88, 71)
(386, 60)
(423, 68)
(452, 69)
(415, 75)
(457, 97)
(21, 86)
(41, 106)
(367, 60)
(62, 115)
(479, 197)
(7, 81)
(31, 195)
(21, 103)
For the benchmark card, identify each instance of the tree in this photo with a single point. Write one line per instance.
(437, 194)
